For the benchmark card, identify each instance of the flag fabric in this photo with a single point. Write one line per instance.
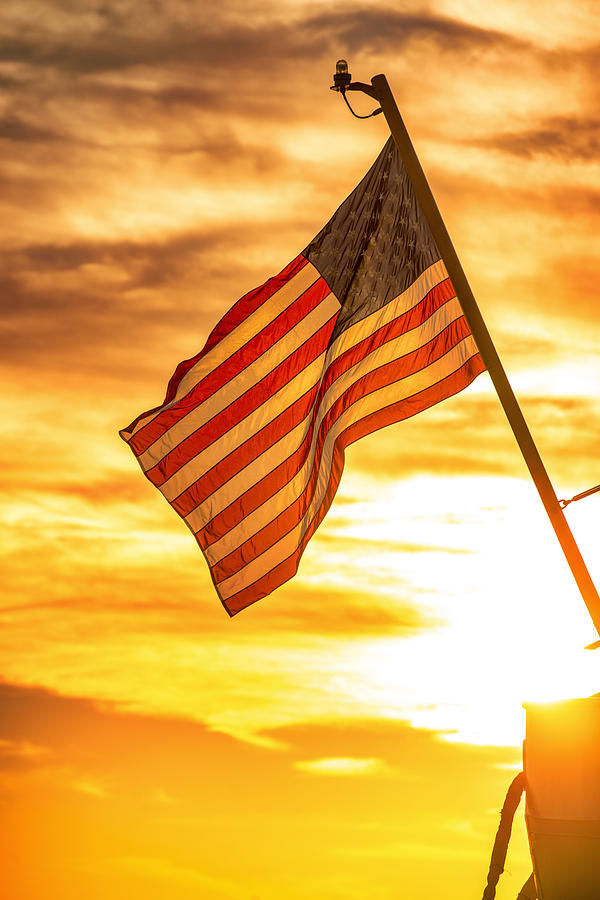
(361, 330)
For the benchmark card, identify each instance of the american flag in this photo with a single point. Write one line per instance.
(361, 330)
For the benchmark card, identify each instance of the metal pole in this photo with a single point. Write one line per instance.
(382, 92)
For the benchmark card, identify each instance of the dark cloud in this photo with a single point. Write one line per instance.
(117, 42)
(14, 128)
(151, 262)
(104, 75)
(184, 78)
(568, 138)
(360, 28)
(156, 70)
(79, 731)
(99, 301)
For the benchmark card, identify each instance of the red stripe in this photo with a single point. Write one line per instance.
(227, 370)
(414, 317)
(286, 569)
(240, 311)
(391, 372)
(250, 302)
(246, 403)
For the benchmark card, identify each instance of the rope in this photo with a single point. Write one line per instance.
(512, 800)
(588, 493)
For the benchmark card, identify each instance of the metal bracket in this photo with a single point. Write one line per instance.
(365, 88)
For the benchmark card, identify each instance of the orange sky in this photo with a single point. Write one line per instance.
(353, 734)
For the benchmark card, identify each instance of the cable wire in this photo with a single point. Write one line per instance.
(368, 116)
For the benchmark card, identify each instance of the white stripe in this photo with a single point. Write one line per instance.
(252, 325)
(265, 463)
(378, 400)
(232, 390)
(265, 412)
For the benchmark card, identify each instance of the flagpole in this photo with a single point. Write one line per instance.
(381, 91)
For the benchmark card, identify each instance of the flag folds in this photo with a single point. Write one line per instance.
(361, 330)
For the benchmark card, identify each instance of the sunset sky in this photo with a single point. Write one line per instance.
(352, 735)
